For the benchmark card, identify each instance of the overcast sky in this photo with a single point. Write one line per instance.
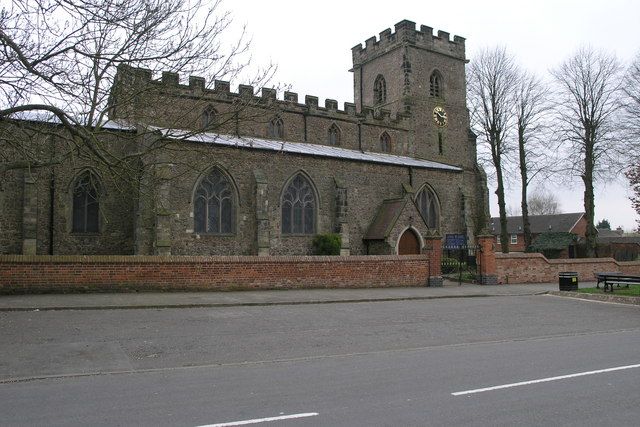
(311, 44)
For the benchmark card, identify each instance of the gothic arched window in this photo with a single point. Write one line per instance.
(276, 128)
(385, 143)
(213, 204)
(209, 117)
(299, 207)
(435, 84)
(334, 135)
(428, 207)
(379, 90)
(86, 204)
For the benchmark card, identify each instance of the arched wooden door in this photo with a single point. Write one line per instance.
(409, 243)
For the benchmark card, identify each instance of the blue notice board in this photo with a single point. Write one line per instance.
(455, 240)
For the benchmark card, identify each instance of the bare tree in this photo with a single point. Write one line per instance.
(531, 108)
(631, 101)
(492, 76)
(59, 60)
(633, 175)
(631, 108)
(543, 203)
(589, 87)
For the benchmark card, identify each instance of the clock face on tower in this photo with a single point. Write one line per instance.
(440, 116)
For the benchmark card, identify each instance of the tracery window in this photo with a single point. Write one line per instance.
(213, 201)
(276, 128)
(209, 116)
(385, 143)
(334, 135)
(428, 207)
(299, 207)
(435, 84)
(86, 204)
(379, 90)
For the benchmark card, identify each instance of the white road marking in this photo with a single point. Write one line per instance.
(544, 380)
(262, 420)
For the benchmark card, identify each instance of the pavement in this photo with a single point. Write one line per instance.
(144, 300)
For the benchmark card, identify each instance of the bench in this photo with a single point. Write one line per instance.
(613, 278)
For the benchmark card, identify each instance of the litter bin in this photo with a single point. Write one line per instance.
(568, 280)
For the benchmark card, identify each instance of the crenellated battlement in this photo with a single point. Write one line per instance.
(169, 83)
(406, 33)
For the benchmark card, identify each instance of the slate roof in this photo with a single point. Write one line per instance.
(46, 117)
(603, 232)
(539, 223)
(619, 239)
(305, 149)
(270, 145)
(385, 219)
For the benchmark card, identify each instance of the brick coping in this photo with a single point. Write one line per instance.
(523, 255)
(190, 259)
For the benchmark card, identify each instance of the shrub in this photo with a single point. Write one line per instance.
(326, 244)
(449, 265)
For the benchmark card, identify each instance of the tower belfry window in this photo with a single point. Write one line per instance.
(379, 90)
(435, 84)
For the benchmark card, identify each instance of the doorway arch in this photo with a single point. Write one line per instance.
(409, 243)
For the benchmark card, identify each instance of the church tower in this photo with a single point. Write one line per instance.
(419, 74)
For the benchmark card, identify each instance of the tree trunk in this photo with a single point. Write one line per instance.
(504, 236)
(526, 226)
(589, 202)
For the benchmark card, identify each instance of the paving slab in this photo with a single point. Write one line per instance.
(265, 297)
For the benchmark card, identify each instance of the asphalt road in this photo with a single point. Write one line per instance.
(363, 364)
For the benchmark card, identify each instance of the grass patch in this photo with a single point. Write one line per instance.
(632, 291)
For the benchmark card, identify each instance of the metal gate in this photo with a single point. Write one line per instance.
(459, 260)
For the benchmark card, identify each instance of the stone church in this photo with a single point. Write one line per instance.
(240, 173)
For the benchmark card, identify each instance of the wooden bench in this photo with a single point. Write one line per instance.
(614, 278)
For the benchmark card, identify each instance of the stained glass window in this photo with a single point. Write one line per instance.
(428, 207)
(298, 207)
(86, 204)
(214, 204)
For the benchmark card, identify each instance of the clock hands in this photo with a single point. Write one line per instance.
(440, 116)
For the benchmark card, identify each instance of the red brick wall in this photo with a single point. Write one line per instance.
(517, 247)
(39, 274)
(580, 228)
(535, 268)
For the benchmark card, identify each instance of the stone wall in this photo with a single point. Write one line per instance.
(36, 204)
(366, 184)
(60, 274)
(129, 224)
(535, 268)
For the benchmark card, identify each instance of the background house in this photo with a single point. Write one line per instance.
(574, 223)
